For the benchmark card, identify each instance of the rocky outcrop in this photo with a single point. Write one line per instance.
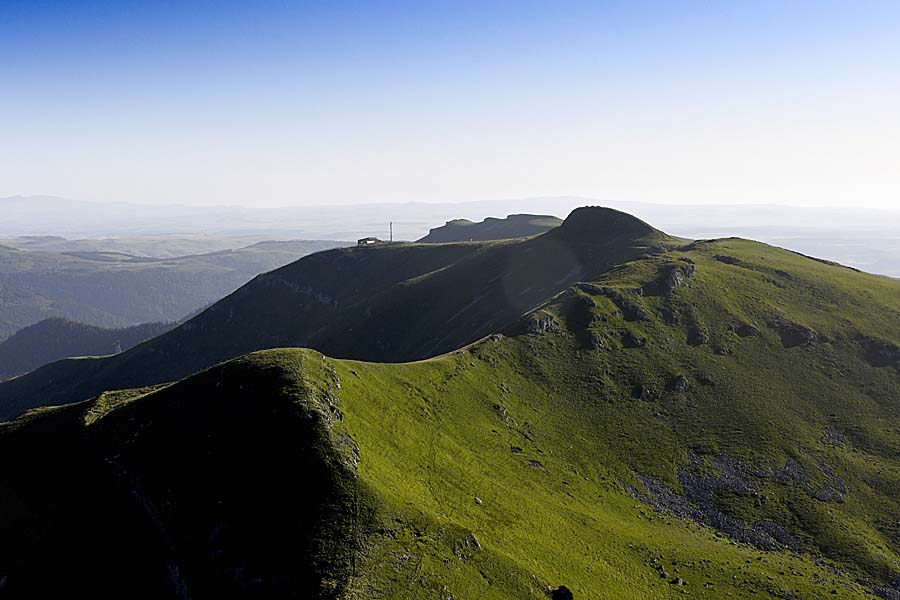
(647, 394)
(680, 384)
(466, 547)
(632, 340)
(793, 335)
(729, 260)
(891, 591)
(793, 473)
(884, 592)
(745, 330)
(540, 323)
(834, 437)
(697, 336)
(676, 276)
(631, 308)
(880, 353)
(698, 502)
(670, 316)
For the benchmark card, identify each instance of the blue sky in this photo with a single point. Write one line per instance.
(276, 103)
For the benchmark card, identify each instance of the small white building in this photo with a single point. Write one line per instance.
(368, 241)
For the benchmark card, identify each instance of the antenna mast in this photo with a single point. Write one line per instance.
(392, 231)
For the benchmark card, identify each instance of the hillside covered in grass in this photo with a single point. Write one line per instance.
(392, 302)
(714, 420)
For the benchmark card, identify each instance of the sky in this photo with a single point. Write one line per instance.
(309, 103)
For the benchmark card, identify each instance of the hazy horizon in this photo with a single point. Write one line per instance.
(865, 239)
(187, 203)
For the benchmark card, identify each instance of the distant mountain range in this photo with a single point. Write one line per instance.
(57, 338)
(600, 411)
(864, 238)
(392, 302)
(111, 289)
(139, 246)
(513, 226)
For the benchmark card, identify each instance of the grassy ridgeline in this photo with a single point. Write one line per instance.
(388, 302)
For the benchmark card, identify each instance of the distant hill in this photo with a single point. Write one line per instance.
(55, 338)
(111, 289)
(143, 246)
(513, 226)
(712, 419)
(866, 239)
(391, 302)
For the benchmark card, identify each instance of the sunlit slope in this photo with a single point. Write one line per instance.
(783, 437)
(718, 421)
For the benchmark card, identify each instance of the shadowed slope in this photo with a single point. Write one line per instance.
(513, 226)
(55, 339)
(228, 484)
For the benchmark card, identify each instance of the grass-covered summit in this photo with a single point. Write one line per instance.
(716, 420)
(395, 302)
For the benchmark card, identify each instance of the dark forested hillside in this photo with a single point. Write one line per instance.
(54, 339)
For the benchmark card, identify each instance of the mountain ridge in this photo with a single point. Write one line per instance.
(491, 228)
(392, 303)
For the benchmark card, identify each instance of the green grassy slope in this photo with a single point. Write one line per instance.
(716, 421)
(513, 226)
(829, 406)
(386, 303)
